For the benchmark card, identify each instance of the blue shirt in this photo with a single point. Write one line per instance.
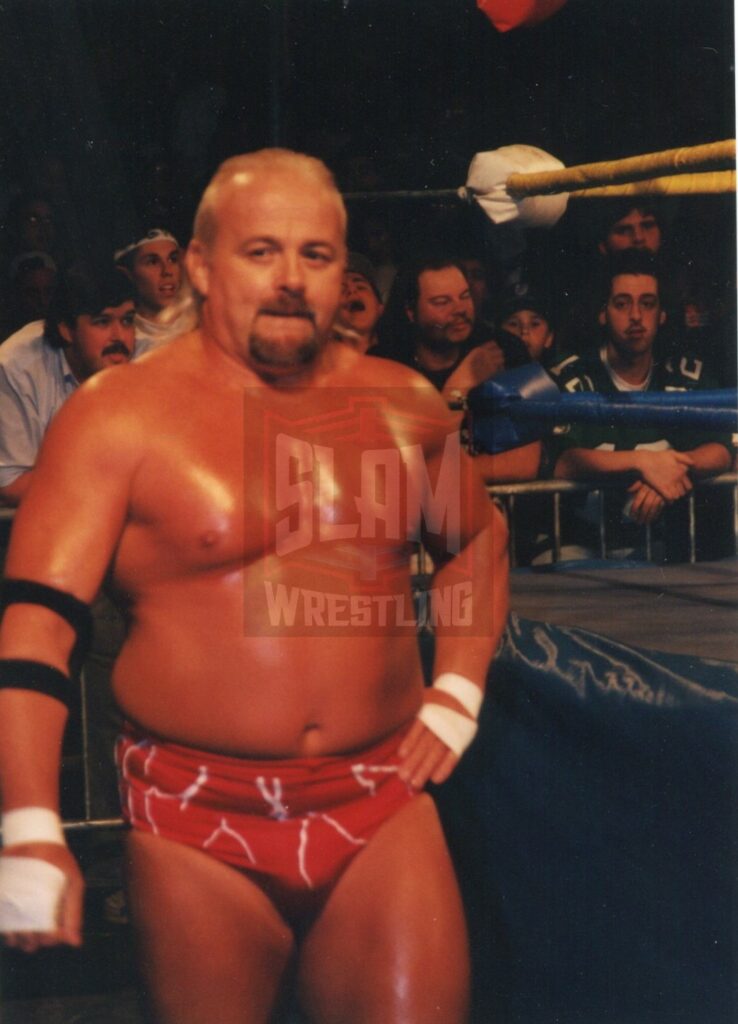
(35, 380)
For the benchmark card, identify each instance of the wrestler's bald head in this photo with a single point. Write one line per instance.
(247, 170)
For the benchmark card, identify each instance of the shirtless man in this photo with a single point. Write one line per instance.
(210, 499)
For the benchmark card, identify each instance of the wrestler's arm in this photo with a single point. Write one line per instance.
(63, 536)
(478, 568)
(517, 464)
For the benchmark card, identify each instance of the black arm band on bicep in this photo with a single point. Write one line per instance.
(23, 674)
(75, 612)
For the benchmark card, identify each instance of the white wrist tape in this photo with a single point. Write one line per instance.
(452, 728)
(467, 693)
(31, 825)
(30, 891)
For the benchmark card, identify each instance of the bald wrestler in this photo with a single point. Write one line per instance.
(256, 489)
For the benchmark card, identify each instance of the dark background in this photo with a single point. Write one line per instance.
(119, 104)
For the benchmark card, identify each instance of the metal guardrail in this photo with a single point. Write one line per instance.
(507, 494)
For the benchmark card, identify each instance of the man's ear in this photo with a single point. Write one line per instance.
(410, 314)
(662, 318)
(198, 267)
(65, 332)
(602, 318)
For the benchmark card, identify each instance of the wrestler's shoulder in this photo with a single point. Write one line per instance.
(130, 398)
(154, 373)
(353, 368)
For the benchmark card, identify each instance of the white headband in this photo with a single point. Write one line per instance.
(154, 235)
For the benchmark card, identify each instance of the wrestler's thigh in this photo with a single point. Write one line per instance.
(212, 946)
(391, 944)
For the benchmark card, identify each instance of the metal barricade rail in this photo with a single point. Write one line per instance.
(508, 493)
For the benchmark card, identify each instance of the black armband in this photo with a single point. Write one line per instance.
(22, 674)
(69, 607)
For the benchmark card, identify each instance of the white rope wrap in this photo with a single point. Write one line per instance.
(467, 693)
(451, 727)
(30, 891)
(486, 182)
(31, 825)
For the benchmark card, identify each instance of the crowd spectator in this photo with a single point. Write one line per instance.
(631, 225)
(30, 225)
(164, 304)
(361, 304)
(528, 318)
(655, 464)
(613, 226)
(477, 274)
(374, 233)
(431, 325)
(31, 280)
(89, 326)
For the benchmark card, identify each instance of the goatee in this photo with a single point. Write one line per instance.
(278, 355)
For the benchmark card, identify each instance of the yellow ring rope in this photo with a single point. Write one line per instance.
(706, 183)
(615, 172)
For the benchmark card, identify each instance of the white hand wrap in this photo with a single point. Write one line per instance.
(30, 891)
(467, 693)
(452, 728)
(31, 825)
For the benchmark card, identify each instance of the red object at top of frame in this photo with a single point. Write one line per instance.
(509, 14)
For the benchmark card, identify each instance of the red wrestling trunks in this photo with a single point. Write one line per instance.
(293, 825)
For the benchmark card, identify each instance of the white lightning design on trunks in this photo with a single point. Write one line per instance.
(361, 774)
(123, 768)
(225, 828)
(302, 849)
(273, 798)
(271, 790)
(184, 796)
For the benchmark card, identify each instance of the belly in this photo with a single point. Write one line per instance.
(198, 675)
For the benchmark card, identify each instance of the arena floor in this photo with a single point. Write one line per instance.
(683, 609)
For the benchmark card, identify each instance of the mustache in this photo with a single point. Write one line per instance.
(116, 348)
(288, 305)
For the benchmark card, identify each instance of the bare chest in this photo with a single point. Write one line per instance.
(230, 485)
